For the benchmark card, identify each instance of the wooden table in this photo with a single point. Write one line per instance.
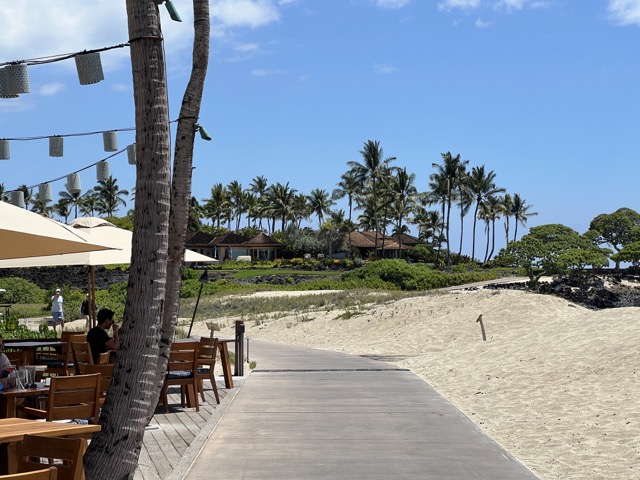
(31, 346)
(9, 397)
(12, 430)
(224, 357)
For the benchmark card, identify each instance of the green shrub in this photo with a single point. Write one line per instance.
(19, 290)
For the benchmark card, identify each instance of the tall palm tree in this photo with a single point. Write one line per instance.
(403, 193)
(73, 199)
(490, 212)
(507, 207)
(62, 209)
(368, 173)
(319, 203)
(282, 197)
(236, 197)
(194, 223)
(452, 171)
(214, 206)
(347, 187)
(89, 203)
(110, 196)
(464, 201)
(482, 185)
(40, 206)
(520, 212)
(259, 186)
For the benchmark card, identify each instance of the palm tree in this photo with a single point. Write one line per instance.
(3, 195)
(194, 223)
(368, 172)
(347, 187)
(482, 186)
(259, 186)
(214, 206)
(282, 197)
(89, 203)
(40, 206)
(452, 172)
(403, 193)
(73, 199)
(62, 209)
(319, 203)
(236, 197)
(507, 207)
(464, 201)
(490, 212)
(520, 212)
(110, 197)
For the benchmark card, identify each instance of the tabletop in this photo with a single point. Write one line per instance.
(13, 429)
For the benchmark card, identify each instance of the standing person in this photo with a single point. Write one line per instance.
(98, 338)
(56, 309)
(84, 311)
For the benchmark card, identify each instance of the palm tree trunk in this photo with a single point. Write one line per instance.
(475, 220)
(113, 452)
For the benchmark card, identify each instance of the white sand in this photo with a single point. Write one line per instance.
(556, 384)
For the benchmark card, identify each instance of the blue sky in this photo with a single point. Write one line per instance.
(545, 93)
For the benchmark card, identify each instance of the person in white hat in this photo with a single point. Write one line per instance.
(56, 309)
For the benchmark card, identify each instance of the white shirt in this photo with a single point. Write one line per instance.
(56, 304)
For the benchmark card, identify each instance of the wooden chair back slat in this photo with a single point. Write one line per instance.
(65, 452)
(44, 474)
(106, 374)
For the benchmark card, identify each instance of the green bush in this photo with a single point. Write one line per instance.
(19, 290)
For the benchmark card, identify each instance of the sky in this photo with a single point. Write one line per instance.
(546, 93)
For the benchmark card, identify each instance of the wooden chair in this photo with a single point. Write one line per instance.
(59, 361)
(181, 370)
(106, 374)
(17, 357)
(45, 474)
(64, 453)
(207, 351)
(82, 354)
(72, 397)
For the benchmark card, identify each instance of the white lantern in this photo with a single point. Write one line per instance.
(44, 191)
(102, 171)
(56, 146)
(73, 183)
(17, 198)
(5, 153)
(110, 141)
(131, 153)
(89, 67)
(4, 85)
(17, 78)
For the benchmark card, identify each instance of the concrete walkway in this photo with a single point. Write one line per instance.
(308, 414)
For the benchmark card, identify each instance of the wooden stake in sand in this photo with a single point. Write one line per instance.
(484, 335)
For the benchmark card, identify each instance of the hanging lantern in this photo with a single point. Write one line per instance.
(110, 141)
(89, 68)
(102, 171)
(131, 153)
(17, 79)
(73, 183)
(5, 154)
(17, 198)
(56, 146)
(44, 191)
(4, 85)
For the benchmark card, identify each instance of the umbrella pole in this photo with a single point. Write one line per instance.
(92, 295)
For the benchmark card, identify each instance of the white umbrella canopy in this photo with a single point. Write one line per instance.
(101, 231)
(24, 234)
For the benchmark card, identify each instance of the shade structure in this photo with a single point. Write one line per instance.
(27, 235)
(102, 232)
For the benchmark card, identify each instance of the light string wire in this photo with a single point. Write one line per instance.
(60, 57)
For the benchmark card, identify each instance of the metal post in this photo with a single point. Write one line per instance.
(248, 350)
(239, 363)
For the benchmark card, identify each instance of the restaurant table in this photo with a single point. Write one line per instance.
(9, 397)
(12, 430)
(31, 346)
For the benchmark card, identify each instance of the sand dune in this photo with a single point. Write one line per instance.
(556, 384)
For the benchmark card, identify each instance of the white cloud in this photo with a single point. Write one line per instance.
(625, 12)
(248, 47)
(263, 72)
(390, 3)
(287, 2)
(49, 89)
(482, 24)
(463, 4)
(245, 13)
(381, 69)
(510, 4)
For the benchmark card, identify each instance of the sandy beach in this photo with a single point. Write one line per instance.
(555, 383)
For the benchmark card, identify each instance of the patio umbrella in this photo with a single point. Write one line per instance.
(101, 231)
(24, 234)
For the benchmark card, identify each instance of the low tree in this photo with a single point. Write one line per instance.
(552, 249)
(629, 253)
(616, 229)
